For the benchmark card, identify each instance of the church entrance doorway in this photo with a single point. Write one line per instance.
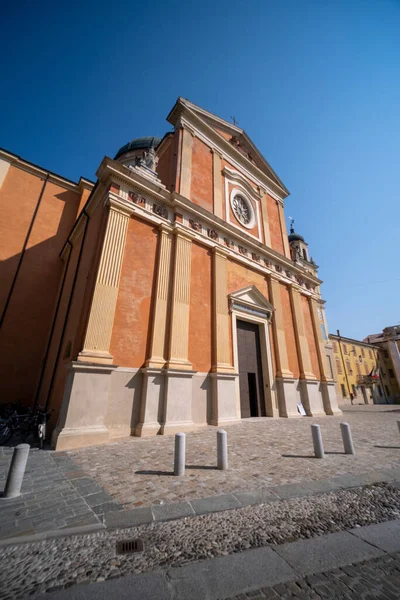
(252, 403)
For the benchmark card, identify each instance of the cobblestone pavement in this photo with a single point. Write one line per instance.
(88, 487)
(378, 578)
(55, 495)
(324, 521)
(263, 453)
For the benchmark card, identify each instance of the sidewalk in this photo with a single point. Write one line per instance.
(58, 502)
(128, 482)
(305, 569)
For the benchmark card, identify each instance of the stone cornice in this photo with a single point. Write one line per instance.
(217, 223)
(346, 340)
(154, 203)
(236, 177)
(29, 167)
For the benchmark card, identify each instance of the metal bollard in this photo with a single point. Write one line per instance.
(222, 450)
(16, 471)
(317, 441)
(347, 439)
(180, 454)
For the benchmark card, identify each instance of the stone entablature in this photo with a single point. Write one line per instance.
(159, 205)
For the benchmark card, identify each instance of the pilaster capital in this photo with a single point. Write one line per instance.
(182, 233)
(165, 228)
(119, 205)
(219, 251)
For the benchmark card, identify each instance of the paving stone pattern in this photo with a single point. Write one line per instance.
(368, 580)
(263, 454)
(55, 495)
(323, 528)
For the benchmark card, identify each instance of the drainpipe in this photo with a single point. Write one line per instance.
(344, 364)
(50, 340)
(71, 296)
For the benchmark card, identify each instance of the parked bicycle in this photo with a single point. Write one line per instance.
(24, 422)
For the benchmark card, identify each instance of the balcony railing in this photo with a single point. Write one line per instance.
(366, 380)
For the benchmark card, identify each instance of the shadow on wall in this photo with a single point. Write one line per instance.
(29, 289)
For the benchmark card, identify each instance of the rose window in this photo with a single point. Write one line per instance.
(241, 209)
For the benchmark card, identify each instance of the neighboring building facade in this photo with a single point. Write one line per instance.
(388, 343)
(363, 370)
(173, 296)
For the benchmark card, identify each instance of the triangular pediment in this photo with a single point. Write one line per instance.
(236, 136)
(250, 299)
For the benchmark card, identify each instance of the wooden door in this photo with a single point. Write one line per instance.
(252, 402)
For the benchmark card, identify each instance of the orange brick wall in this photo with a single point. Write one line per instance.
(310, 337)
(201, 191)
(274, 225)
(289, 331)
(27, 322)
(130, 335)
(240, 277)
(200, 309)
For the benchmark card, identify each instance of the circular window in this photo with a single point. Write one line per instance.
(242, 209)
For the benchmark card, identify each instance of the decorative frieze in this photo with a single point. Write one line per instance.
(137, 198)
(160, 210)
(229, 244)
(195, 225)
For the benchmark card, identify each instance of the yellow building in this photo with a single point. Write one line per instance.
(358, 374)
(388, 343)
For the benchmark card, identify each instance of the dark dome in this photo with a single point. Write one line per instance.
(138, 144)
(295, 237)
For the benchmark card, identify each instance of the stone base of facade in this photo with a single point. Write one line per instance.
(177, 410)
(311, 397)
(329, 398)
(103, 403)
(82, 417)
(288, 396)
(225, 410)
(79, 437)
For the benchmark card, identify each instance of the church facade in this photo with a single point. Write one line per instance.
(180, 300)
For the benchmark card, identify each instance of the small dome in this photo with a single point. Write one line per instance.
(138, 144)
(295, 237)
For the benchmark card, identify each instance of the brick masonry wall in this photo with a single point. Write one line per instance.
(29, 315)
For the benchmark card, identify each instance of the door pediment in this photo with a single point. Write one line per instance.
(251, 301)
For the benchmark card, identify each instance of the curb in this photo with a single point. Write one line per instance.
(213, 504)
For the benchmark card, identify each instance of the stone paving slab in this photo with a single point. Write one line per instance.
(221, 576)
(256, 574)
(215, 503)
(165, 512)
(55, 496)
(385, 536)
(326, 552)
(150, 586)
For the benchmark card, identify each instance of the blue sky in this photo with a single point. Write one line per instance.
(315, 84)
